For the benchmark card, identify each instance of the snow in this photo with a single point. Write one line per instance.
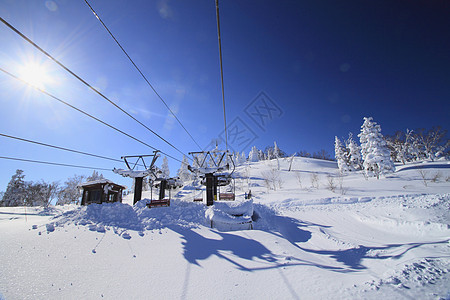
(370, 239)
(132, 173)
(230, 215)
(99, 181)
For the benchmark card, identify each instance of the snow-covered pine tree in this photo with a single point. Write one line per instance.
(253, 155)
(261, 155)
(183, 171)
(235, 157)
(341, 155)
(354, 153)
(146, 184)
(165, 168)
(95, 176)
(276, 150)
(375, 153)
(269, 151)
(15, 193)
(243, 158)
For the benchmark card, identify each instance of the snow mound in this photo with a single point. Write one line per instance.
(50, 227)
(179, 213)
(235, 207)
(110, 214)
(139, 217)
(230, 215)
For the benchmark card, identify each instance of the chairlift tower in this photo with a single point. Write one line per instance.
(208, 164)
(137, 175)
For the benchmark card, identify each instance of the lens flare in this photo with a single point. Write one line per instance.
(34, 74)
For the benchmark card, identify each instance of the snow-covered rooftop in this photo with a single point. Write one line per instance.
(99, 181)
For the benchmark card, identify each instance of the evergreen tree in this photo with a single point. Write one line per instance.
(375, 153)
(15, 194)
(236, 158)
(95, 176)
(243, 158)
(354, 153)
(165, 168)
(183, 171)
(269, 152)
(146, 182)
(253, 155)
(261, 155)
(276, 150)
(341, 155)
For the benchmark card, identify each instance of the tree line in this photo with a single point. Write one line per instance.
(28, 193)
(376, 153)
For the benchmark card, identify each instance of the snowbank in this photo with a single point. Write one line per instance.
(230, 215)
(138, 218)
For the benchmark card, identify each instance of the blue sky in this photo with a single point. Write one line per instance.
(320, 66)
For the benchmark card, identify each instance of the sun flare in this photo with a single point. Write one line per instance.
(34, 74)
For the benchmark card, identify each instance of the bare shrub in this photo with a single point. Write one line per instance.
(272, 179)
(423, 174)
(315, 180)
(267, 183)
(331, 184)
(279, 182)
(343, 190)
(437, 177)
(299, 179)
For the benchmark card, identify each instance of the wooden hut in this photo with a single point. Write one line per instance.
(101, 191)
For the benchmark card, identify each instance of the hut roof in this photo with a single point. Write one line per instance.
(100, 181)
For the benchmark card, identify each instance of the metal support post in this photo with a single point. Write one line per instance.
(137, 189)
(162, 189)
(209, 189)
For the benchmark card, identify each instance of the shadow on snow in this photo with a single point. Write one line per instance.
(352, 258)
(235, 248)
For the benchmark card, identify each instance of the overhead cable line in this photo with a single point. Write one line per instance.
(221, 74)
(85, 113)
(60, 148)
(53, 163)
(84, 82)
(140, 72)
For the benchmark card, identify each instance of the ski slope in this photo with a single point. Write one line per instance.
(369, 239)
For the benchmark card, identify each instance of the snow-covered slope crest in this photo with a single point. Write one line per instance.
(414, 200)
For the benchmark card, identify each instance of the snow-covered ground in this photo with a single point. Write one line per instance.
(313, 238)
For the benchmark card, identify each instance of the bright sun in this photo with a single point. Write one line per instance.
(35, 74)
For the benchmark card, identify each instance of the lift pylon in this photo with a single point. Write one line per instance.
(138, 175)
(208, 165)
